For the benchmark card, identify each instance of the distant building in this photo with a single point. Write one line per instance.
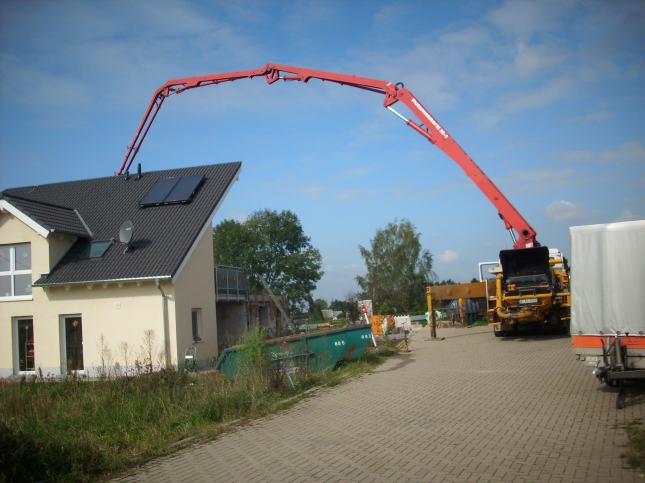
(239, 310)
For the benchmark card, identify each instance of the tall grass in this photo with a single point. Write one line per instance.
(252, 360)
(636, 448)
(74, 429)
(81, 430)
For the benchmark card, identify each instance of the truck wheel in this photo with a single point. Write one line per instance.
(499, 333)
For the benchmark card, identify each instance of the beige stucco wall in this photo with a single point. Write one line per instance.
(195, 289)
(115, 316)
(59, 243)
(120, 314)
(12, 231)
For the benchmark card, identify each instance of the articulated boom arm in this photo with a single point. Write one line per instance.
(522, 233)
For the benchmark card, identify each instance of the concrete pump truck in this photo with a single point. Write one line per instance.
(532, 283)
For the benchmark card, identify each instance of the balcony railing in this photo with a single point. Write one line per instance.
(231, 284)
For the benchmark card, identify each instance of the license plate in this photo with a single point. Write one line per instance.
(527, 301)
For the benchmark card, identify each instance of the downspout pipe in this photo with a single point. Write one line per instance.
(166, 324)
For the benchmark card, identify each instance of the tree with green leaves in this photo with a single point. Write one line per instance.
(316, 307)
(398, 269)
(272, 246)
(349, 306)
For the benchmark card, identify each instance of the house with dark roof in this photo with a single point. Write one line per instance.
(76, 294)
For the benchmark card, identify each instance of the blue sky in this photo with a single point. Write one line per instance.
(547, 97)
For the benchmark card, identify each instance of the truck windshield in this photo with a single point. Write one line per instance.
(525, 261)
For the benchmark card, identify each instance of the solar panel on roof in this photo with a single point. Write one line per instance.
(158, 192)
(185, 189)
(166, 191)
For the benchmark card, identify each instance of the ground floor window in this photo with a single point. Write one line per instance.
(25, 342)
(196, 319)
(73, 343)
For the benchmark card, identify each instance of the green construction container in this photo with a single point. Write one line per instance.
(316, 351)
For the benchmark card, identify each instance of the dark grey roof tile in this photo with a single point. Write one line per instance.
(162, 235)
(50, 216)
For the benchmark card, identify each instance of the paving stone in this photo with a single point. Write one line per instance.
(469, 408)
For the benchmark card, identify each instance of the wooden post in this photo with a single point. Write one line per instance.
(433, 318)
(462, 311)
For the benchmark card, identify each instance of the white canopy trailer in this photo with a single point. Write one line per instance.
(608, 300)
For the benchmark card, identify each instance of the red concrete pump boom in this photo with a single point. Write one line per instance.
(428, 127)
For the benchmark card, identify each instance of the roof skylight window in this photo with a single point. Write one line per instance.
(97, 249)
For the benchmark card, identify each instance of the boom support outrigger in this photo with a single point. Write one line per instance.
(523, 235)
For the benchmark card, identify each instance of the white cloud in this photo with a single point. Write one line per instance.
(512, 59)
(591, 117)
(330, 266)
(536, 58)
(544, 95)
(522, 100)
(37, 87)
(525, 18)
(353, 194)
(574, 155)
(384, 15)
(631, 151)
(358, 171)
(122, 61)
(312, 190)
(539, 181)
(237, 215)
(307, 15)
(460, 53)
(562, 210)
(626, 215)
(347, 195)
(470, 36)
(448, 256)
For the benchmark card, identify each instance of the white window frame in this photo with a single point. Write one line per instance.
(63, 345)
(13, 272)
(196, 337)
(16, 349)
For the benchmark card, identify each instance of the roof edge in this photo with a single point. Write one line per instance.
(41, 283)
(83, 223)
(26, 219)
(6, 192)
(30, 200)
(209, 221)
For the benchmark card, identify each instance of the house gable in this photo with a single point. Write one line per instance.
(6, 207)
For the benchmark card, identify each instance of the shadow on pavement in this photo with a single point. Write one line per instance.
(635, 395)
(529, 335)
(442, 336)
(634, 392)
(405, 358)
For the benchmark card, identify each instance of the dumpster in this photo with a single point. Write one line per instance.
(316, 351)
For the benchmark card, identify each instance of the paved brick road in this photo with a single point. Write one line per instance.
(469, 408)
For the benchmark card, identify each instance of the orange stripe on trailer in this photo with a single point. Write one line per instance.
(596, 341)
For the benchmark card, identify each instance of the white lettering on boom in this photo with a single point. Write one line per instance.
(432, 120)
